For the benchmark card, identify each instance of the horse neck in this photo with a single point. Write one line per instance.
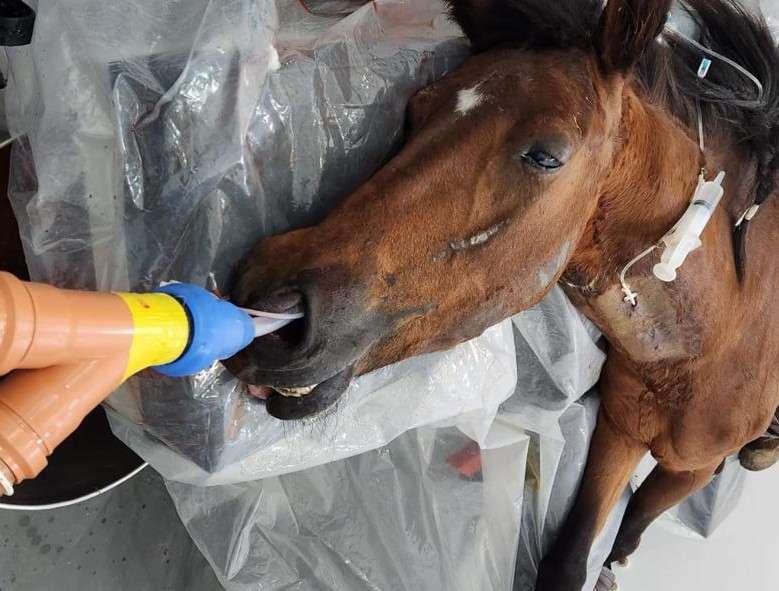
(653, 176)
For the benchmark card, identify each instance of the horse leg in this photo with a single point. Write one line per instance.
(613, 457)
(661, 490)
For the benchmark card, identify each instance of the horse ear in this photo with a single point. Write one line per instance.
(626, 30)
(473, 16)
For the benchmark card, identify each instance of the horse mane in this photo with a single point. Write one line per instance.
(532, 24)
(668, 71)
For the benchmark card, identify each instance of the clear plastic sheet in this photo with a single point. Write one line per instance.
(159, 141)
(402, 518)
(397, 518)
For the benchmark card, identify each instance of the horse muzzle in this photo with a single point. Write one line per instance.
(308, 364)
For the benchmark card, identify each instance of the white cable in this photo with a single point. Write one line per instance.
(631, 297)
(6, 485)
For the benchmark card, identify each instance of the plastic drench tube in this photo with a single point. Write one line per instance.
(268, 322)
(685, 237)
(66, 351)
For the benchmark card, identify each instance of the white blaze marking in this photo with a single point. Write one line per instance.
(469, 99)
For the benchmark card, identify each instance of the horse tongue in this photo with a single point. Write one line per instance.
(261, 392)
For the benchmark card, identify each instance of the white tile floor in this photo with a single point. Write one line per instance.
(742, 555)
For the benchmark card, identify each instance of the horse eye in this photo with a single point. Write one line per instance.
(540, 158)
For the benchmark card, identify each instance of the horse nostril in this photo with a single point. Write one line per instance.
(285, 300)
(281, 301)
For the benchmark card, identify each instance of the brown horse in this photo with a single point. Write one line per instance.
(563, 148)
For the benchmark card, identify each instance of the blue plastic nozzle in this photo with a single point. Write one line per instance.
(218, 330)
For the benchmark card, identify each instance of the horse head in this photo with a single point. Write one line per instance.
(474, 220)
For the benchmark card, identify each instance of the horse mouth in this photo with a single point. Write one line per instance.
(290, 404)
(305, 367)
(276, 369)
(295, 392)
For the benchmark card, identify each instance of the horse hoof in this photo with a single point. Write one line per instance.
(760, 455)
(607, 581)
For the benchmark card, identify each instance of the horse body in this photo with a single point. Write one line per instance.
(700, 354)
(692, 373)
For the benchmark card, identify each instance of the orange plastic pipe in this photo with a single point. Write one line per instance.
(67, 351)
(40, 408)
(41, 325)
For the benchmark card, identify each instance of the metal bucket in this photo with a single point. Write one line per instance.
(87, 464)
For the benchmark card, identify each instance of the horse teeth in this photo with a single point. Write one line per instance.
(295, 392)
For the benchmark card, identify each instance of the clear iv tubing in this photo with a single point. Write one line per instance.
(631, 296)
(727, 60)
